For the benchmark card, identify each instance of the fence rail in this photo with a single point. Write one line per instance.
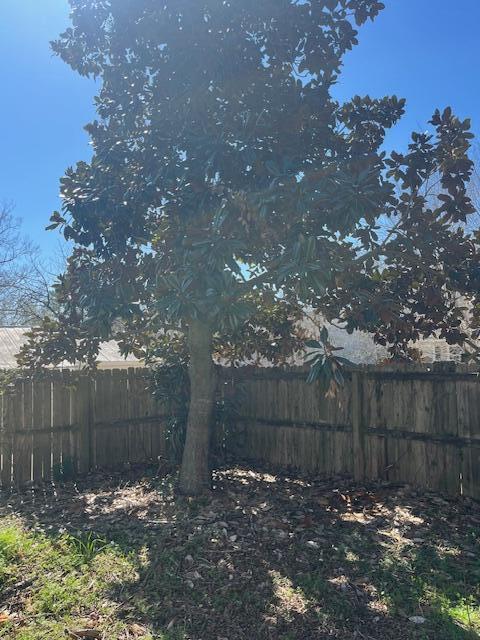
(408, 425)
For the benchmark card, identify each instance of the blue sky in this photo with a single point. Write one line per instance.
(427, 51)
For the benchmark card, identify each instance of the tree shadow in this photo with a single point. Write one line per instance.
(269, 556)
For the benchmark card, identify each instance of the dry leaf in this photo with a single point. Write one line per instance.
(85, 634)
(137, 629)
(312, 544)
(307, 521)
(417, 619)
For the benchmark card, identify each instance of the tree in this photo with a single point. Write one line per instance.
(17, 254)
(34, 298)
(227, 183)
(474, 190)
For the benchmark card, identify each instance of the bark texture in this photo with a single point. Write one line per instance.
(195, 474)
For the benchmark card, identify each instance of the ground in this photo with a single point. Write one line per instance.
(265, 557)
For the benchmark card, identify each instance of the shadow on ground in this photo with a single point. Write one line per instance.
(274, 557)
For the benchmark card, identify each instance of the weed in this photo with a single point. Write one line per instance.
(86, 546)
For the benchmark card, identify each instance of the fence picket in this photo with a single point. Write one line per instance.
(41, 409)
(59, 420)
(20, 422)
(6, 445)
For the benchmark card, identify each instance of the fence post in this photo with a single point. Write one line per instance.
(85, 426)
(358, 426)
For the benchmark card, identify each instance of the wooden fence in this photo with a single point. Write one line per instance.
(411, 425)
(66, 422)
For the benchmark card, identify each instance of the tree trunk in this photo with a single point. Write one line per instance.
(195, 474)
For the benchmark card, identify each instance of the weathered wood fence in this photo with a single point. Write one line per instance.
(67, 422)
(411, 425)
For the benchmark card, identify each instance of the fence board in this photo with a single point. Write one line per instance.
(69, 440)
(103, 431)
(83, 421)
(6, 445)
(119, 413)
(59, 420)
(41, 426)
(136, 427)
(20, 421)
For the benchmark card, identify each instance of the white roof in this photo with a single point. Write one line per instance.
(13, 338)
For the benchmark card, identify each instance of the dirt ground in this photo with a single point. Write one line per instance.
(264, 557)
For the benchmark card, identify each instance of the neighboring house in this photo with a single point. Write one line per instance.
(437, 350)
(13, 338)
(359, 347)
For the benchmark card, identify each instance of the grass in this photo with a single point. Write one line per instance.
(265, 557)
(66, 582)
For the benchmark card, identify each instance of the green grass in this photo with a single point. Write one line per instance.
(428, 581)
(69, 579)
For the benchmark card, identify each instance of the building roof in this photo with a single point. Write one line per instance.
(13, 338)
(358, 347)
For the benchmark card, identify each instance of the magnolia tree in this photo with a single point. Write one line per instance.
(228, 189)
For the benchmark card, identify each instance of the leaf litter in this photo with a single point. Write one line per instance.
(264, 556)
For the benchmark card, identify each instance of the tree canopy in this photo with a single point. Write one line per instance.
(228, 189)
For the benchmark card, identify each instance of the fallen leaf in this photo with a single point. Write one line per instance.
(85, 634)
(417, 619)
(307, 521)
(4, 617)
(137, 629)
